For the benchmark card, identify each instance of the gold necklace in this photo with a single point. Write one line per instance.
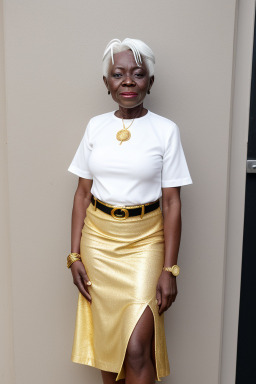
(124, 134)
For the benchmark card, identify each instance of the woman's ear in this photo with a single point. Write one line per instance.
(151, 81)
(105, 81)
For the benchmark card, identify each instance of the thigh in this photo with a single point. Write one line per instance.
(142, 340)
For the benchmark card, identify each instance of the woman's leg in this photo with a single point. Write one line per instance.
(110, 378)
(139, 366)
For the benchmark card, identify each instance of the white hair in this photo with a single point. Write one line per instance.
(140, 50)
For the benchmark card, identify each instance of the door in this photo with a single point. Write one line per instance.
(246, 347)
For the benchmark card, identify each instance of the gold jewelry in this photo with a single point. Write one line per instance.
(72, 257)
(175, 270)
(124, 134)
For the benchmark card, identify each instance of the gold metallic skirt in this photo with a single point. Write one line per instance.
(123, 260)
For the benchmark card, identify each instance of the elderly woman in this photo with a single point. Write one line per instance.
(124, 247)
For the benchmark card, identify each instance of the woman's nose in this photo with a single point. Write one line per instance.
(128, 81)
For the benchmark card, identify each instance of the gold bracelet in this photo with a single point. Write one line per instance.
(175, 270)
(72, 257)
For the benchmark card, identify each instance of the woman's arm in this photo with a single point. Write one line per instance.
(166, 291)
(82, 200)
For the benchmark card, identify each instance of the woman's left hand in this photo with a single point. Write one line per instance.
(166, 291)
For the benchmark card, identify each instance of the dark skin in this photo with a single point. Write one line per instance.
(129, 84)
(125, 77)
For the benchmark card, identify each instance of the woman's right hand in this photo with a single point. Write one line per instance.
(80, 279)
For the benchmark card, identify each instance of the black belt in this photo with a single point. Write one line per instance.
(121, 213)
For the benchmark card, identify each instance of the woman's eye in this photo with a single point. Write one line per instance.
(117, 75)
(139, 74)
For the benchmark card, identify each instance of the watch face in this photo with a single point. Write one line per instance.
(175, 270)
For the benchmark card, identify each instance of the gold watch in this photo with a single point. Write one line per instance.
(175, 270)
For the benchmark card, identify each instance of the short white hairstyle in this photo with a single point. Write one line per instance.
(140, 50)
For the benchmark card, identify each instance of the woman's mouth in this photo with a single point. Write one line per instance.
(129, 94)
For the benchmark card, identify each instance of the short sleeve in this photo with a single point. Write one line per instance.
(175, 171)
(79, 164)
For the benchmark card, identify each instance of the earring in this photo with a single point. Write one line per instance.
(108, 92)
(148, 92)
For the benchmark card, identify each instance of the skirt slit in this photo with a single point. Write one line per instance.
(142, 309)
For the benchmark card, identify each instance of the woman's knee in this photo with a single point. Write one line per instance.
(137, 355)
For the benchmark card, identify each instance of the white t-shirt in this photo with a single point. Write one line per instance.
(135, 171)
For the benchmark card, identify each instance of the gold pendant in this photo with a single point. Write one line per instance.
(123, 135)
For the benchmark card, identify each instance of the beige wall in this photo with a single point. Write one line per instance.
(6, 326)
(53, 53)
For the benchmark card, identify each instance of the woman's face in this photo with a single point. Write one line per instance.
(127, 83)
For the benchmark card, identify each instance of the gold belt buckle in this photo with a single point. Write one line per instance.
(122, 215)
